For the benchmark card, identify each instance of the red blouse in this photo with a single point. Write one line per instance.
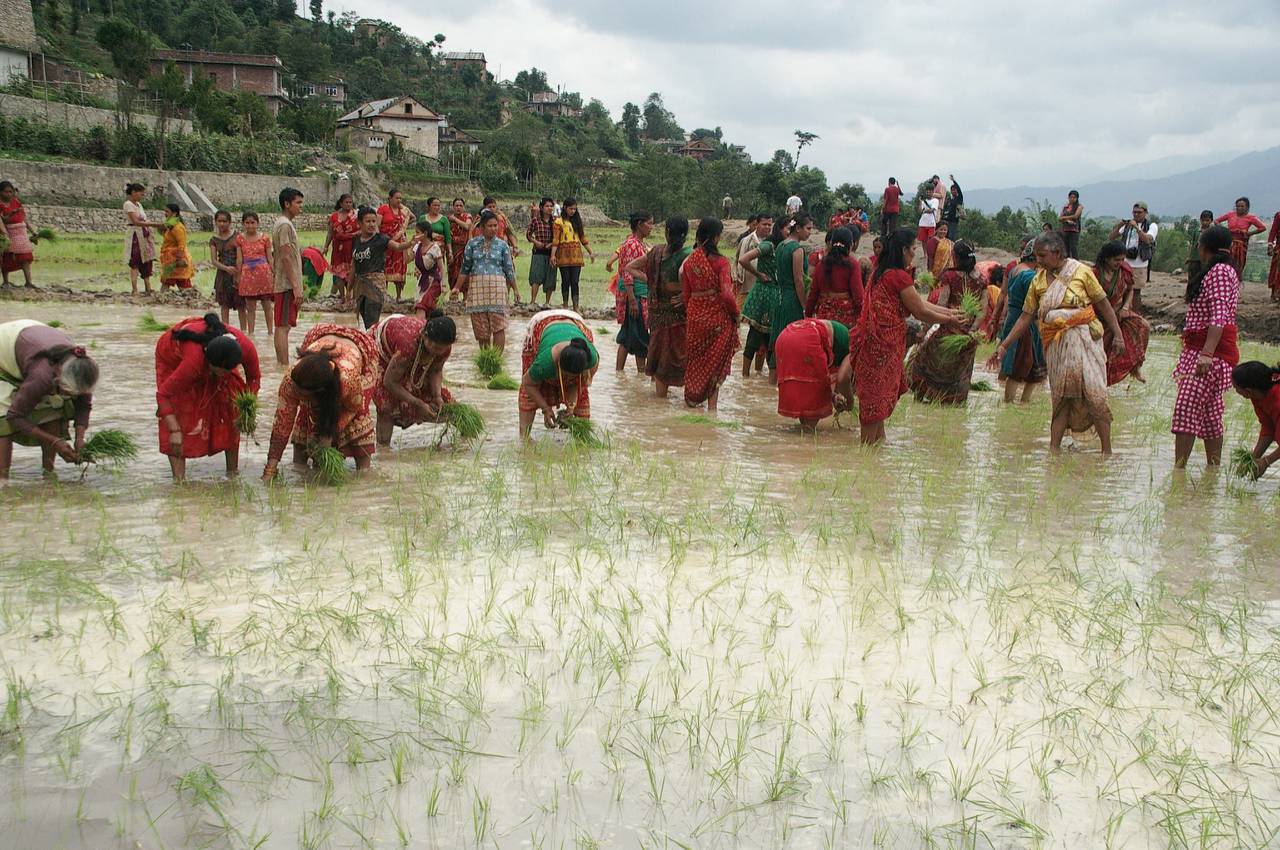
(1268, 412)
(843, 280)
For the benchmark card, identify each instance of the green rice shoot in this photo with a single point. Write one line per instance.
(703, 419)
(246, 404)
(489, 362)
(46, 234)
(926, 281)
(604, 331)
(583, 432)
(148, 324)
(952, 345)
(463, 419)
(1244, 464)
(971, 304)
(980, 387)
(331, 466)
(54, 323)
(503, 382)
(111, 446)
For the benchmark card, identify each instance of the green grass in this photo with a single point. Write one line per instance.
(583, 432)
(463, 419)
(1244, 464)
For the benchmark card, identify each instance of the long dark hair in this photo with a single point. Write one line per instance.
(709, 231)
(575, 358)
(440, 328)
(1114, 248)
(575, 219)
(1218, 240)
(893, 250)
(1256, 375)
(841, 242)
(316, 374)
(638, 218)
(220, 348)
(677, 229)
(779, 232)
(342, 198)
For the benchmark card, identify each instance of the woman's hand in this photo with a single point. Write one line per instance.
(270, 471)
(1263, 463)
(64, 450)
(1203, 362)
(428, 409)
(175, 443)
(549, 417)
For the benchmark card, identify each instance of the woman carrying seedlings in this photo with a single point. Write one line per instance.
(1067, 300)
(1117, 281)
(488, 271)
(1260, 383)
(631, 297)
(1023, 362)
(176, 268)
(253, 271)
(836, 293)
(46, 383)
(324, 399)
(559, 360)
(1209, 350)
(343, 227)
(879, 340)
(815, 373)
(394, 218)
(196, 387)
(411, 354)
(19, 251)
(660, 269)
(763, 298)
(792, 269)
(1243, 226)
(711, 311)
(942, 366)
(568, 241)
(139, 248)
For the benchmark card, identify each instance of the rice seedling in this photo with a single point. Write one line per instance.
(149, 324)
(54, 323)
(463, 419)
(246, 405)
(488, 362)
(703, 419)
(47, 234)
(109, 446)
(926, 281)
(971, 304)
(951, 345)
(503, 381)
(583, 432)
(1244, 464)
(331, 466)
(980, 386)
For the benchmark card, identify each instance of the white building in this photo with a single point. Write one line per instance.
(17, 39)
(401, 117)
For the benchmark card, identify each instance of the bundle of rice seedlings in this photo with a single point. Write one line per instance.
(246, 405)
(331, 466)
(604, 331)
(503, 382)
(462, 418)
(971, 304)
(583, 432)
(148, 324)
(46, 234)
(952, 345)
(926, 281)
(54, 323)
(109, 445)
(980, 387)
(488, 362)
(1243, 464)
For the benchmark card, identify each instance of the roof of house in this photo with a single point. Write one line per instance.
(463, 56)
(454, 136)
(209, 57)
(17, 27)
(698, 145)
(374, 108)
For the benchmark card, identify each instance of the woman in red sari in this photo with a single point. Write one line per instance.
(411, 354)
(1273, 251)
(1260, 384)
(815, 373)
(394, 219)
(1243, 227)
(18, 252)
(879, 340)
(711, 309)
(836, 291)
(324, 399)
(344, 224)
(1117, 281)
(196, 384)
(460, 224)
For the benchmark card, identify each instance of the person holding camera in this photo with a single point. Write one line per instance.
(1139, 237)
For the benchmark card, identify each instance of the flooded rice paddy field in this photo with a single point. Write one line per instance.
(705, 636)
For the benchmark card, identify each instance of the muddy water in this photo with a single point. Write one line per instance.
(703, 636)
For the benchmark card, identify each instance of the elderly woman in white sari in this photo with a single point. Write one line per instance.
(1067, 301)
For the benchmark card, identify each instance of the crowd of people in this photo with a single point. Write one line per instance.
(833, 330)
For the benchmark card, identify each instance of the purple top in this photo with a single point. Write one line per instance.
(39, 377)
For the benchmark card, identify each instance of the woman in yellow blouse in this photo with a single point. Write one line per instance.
(568, 240)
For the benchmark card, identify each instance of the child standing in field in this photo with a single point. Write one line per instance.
(429, 261)
(18, 234)
(253, 271)
(176, 268)
(286, 264)
(222, 253)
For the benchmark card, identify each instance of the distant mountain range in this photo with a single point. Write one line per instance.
(1213, 187)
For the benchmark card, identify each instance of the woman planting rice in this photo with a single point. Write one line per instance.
(879, 340)
(196, 387)
(46, 383)
(813, 357)
(1260, 383)
(1023, 362)
(1117, 281)
(1066, 299)
(631, 296)
(942, 367)
(411, 354)
(836, 293)
(712, 317)
(1209, 350)
(559, 361)
(324, 399)
(660, 269)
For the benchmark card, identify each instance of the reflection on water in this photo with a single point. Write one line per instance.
(702, 636)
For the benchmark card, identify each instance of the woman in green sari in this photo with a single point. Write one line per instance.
(792, 267)
(762, 300)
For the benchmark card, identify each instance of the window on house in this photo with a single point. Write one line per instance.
(408, 109)
(332, 91)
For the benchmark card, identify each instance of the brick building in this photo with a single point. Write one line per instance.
(459, 59)
(231, 72)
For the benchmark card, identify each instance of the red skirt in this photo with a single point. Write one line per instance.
(1136, 332)
(805, 358)
(1273, 279)
(395, 266)
(1239, 253)
(573, 387)
(13, 262)
(711, 339)
(837, 308)
(205, 412)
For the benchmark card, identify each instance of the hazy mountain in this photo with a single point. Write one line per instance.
(1165, 166)
(1212, 187)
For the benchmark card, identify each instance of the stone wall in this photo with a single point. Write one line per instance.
(75, 183)
(101, 220)
(77, 117)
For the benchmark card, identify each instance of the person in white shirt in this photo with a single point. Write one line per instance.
(794, 204)
(1139, 237)
(928, 218)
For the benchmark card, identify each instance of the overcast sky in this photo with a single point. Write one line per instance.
(999, 93)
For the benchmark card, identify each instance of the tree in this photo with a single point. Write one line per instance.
(631, 125)
(170, 88)
(783, 160)
(532, 81)
(659, 123)
(251, 116)
(130, 50)
(210, 108)
(312, 120)
(852, 195)
(716, 135)
(317, 10)
(803, 139)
